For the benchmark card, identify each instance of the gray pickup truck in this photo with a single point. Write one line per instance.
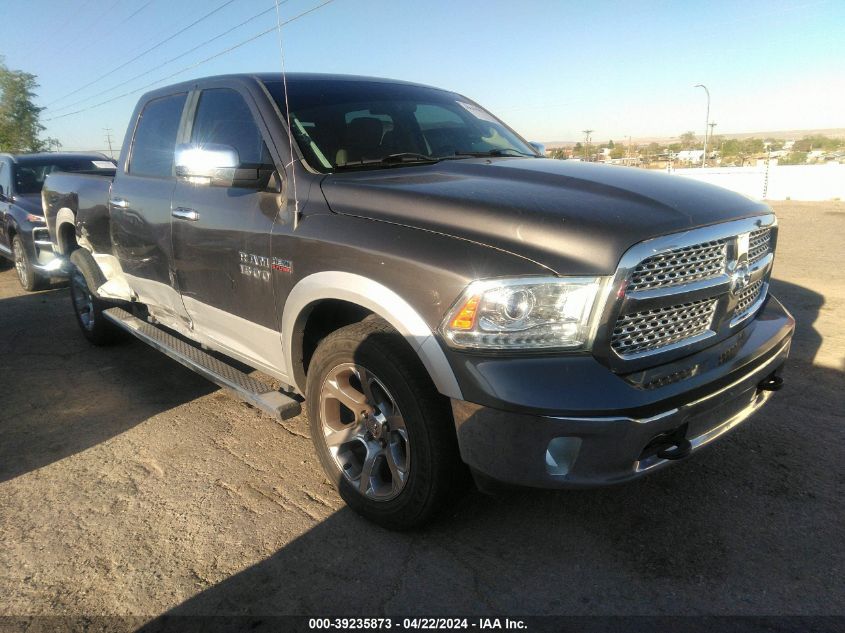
(438, 293)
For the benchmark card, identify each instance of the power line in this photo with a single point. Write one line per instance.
(77, 13)
(136, 12)
(139, 55)
(97, 41)
(169, 61)
(192, 66)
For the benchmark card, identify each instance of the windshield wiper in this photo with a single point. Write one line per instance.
(499, 151)
(409, 157)
(392, 160)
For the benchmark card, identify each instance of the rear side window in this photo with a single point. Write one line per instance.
(4, 178)
(224, 117)
(154, 144)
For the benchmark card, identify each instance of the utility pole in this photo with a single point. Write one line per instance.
(712, 125)
(706, 123)
(587, 144)
(628, 153)
(108, 140)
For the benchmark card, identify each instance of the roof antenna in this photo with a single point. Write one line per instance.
(287, 119)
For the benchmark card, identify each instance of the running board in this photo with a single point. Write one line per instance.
(255, 392)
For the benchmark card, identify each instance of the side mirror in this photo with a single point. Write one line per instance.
(207, 164)
(541, 149)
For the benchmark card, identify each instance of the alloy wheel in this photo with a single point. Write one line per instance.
(20, 267)
(365, 432)
(83, 301)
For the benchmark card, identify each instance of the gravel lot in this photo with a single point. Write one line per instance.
(130, 486)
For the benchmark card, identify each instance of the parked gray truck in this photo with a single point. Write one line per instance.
(439, 293)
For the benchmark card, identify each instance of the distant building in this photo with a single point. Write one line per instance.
(690, 155)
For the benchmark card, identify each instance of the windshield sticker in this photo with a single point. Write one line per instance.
(478, 112)
(102, 164)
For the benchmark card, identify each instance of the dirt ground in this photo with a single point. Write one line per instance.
(130, 486)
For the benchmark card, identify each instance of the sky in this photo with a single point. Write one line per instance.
(549, 68)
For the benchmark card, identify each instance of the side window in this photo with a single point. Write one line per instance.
(224, 117)
(154, 144)
(4, 171)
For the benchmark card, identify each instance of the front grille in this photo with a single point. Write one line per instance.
(680, 266)
(758, 245)
(747, 298)
(683, 281)
(652, 329)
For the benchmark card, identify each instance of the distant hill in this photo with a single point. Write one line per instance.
(787, 135)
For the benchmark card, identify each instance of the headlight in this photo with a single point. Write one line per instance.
(524, 314)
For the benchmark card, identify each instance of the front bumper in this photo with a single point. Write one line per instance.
(691, 402)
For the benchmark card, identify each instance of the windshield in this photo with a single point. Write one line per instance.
(30, 176)
(344, 124)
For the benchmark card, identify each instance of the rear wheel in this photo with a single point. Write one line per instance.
(382, 432)
(27, 275)
(89, 311)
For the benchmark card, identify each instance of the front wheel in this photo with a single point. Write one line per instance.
(382, 432)
(27, 275)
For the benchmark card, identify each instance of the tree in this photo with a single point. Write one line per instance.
(19, 116)
(688, 140)
(610, 144)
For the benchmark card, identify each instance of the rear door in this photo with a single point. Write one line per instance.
(140, 202)
(221, 235)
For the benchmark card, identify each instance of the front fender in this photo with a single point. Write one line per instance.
(380, 300)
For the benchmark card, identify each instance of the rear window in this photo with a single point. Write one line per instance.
(154, 144)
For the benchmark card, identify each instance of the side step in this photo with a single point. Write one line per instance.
(255, 392)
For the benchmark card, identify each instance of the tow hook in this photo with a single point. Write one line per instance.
(771, 383)
(673, 445)
(679, 449)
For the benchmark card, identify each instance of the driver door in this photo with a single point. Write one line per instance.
(221, 237)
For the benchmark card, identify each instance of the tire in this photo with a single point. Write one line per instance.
(88, 308)
(29, 278)
(406, 441)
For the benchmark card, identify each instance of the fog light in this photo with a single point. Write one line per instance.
(561, 454)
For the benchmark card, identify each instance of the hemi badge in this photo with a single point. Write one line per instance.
(282, 265)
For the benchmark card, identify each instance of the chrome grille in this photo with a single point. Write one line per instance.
(747, 298)
(676, 291)
(652, 329)
(680, 266)
(759, 243)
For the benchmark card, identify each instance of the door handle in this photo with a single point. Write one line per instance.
(119, 202)
(185, 214)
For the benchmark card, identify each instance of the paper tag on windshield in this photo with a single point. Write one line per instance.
(477, 112)
(103, 164)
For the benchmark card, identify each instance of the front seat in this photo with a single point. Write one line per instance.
(362, 141)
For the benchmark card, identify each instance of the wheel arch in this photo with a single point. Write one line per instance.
(65, 224)
(369, 295)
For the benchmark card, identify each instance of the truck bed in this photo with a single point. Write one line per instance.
(86, 196)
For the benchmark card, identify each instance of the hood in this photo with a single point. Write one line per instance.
(29, 202)
(572, 217)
